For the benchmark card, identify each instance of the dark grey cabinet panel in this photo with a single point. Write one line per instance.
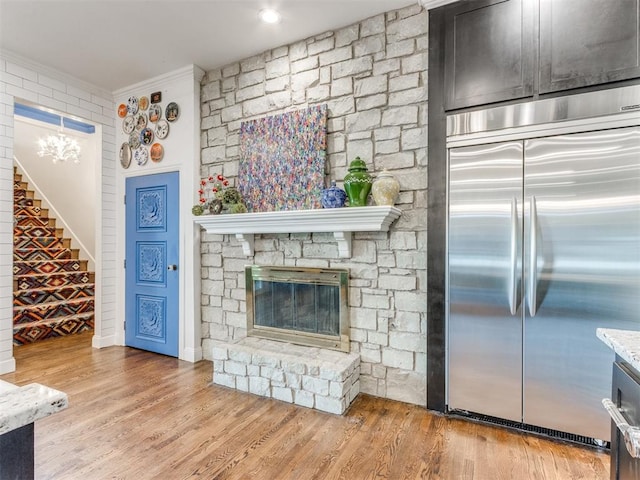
(588, 42)
(489, 52)
(626, 396)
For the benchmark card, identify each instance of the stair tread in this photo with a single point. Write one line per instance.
(52, 260)
(52, 274)
(53, 247)
(53, 289)
(45, 305)
(58, 319)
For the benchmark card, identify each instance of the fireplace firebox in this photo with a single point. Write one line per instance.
(305, 306)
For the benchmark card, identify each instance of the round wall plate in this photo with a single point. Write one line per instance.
(156, 152)
(155, 113)
(172, 112)
(125, 155)
(146, 136)
(134, 140)
(132, 105)
(141, 155)
(122, 110)
(143, 103)
(162, 129)
(141, 121)
(128, 124)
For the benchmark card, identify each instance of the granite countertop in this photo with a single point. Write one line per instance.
(626, 343)
(20, 406)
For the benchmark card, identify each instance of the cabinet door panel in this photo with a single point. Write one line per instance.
(588, 42)
(488, 52)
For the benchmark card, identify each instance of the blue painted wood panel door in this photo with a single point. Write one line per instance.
(151, 280)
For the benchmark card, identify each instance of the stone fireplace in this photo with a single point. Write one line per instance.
(303, 306)
(326, 376)
(296, 320)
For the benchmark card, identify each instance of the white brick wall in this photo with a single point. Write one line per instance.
(372, 75)
(22, 80)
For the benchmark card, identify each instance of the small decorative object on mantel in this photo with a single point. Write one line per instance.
(333, 197)
(357, 183)
(385, 189)
(216, 196)
(197, 210)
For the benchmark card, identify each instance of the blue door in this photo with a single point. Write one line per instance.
(151, 280)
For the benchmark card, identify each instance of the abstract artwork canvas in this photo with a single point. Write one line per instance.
(282, 160)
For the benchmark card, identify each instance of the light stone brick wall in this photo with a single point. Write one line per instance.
(307, 376)
(373, 77)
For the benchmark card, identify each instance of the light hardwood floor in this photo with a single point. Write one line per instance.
(136, 415)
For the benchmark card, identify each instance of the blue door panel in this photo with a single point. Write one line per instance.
(151, 297)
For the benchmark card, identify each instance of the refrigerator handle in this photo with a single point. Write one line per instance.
(513, 274)
(533, 258)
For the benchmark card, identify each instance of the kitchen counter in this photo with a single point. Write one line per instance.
(625, 343)
(19, 408)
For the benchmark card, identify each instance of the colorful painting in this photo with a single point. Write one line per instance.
(282, 160)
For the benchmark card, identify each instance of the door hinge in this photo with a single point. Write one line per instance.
(124, 263)
(124, 199)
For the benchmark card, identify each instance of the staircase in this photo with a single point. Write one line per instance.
(53, 293)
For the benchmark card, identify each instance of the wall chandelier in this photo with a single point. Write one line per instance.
(59, 147)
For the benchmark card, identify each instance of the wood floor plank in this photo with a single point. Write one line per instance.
(135, 415)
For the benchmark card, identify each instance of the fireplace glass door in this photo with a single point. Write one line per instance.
(305, 306)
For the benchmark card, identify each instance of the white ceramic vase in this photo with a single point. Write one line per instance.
(385, 189)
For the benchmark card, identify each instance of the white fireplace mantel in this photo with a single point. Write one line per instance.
(340, 221)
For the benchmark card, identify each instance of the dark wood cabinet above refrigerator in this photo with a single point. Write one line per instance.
(488, 52)
(588, 42)
(502, 50)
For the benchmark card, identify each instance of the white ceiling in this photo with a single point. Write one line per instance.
(114, 43)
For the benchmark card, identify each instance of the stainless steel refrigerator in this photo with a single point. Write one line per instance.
(543, 248)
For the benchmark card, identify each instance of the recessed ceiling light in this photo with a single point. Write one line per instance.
(269, 15)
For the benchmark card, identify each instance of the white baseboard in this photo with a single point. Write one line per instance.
(101, 342)
(192, 355)
(8, 366)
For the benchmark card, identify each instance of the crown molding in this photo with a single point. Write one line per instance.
(189, 72)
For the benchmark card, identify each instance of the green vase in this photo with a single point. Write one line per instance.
(357, 183)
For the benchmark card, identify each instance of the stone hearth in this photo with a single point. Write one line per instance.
(311, 377)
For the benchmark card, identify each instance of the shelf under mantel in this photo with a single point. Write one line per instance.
(340, 221)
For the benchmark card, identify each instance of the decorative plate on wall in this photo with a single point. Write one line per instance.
(162, 129)
(125, 155)
(128, 124)
(173, 112)
(146, 136)
(122, 110)
(132, 105)
(157, 152)
(141, 155)
(141, 121)
(155, 113)
(134, 140)
(143, 103)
